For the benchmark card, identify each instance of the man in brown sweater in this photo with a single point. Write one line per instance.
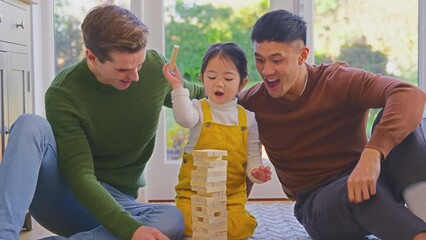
(312, 121)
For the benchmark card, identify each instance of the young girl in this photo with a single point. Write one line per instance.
(218, 122)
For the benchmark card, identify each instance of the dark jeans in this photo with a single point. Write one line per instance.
(326, 213)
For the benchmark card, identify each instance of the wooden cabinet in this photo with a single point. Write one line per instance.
(16, 93)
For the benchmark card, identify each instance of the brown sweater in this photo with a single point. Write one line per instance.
(322, 134)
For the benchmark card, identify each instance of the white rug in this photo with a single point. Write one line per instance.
(276, 222)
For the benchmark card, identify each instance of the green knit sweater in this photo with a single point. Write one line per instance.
(104, 134)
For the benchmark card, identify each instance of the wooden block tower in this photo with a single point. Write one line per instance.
(208, 205)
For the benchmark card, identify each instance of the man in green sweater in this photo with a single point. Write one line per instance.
(104, 112)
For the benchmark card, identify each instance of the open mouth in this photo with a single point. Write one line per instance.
(218, 93)
(271, 83)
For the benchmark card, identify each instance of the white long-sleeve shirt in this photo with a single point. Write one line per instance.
(188, 114)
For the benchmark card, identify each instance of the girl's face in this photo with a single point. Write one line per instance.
(221, 80)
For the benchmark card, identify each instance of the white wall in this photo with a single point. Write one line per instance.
(43, 51)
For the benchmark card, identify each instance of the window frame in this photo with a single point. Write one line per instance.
(422, 45)
(151, 12)
(43, 37)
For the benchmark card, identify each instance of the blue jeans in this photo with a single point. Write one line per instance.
(30, 179)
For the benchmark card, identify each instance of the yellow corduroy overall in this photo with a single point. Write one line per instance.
(234, 139)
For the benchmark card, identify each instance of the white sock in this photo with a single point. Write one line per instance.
(415, 198)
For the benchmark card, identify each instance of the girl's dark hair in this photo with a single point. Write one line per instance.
(231, 51)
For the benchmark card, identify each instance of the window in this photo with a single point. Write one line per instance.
(194, 25)
(380, 36)
(349, 22)
(354, 33)
(68, 15)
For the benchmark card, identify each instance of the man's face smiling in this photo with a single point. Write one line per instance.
(121, 71)
(279, 65)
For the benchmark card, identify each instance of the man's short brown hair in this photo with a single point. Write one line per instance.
(108, 28)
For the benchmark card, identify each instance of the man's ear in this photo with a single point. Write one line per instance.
(91, 57)
(303, 55)
(243, 84)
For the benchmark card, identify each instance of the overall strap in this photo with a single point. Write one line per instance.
(207, 113)
(242, 117)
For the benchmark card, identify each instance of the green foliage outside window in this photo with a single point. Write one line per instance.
(383, 42)
(69, 45)
(194, 28)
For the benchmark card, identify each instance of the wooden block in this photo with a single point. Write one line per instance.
(209, 238)
(209, 153)
(212, 230)
(206, 220)
(218, 235)
(208, 179)
(211, 171)
(209, 186)
(203, 184)
(200, 238)
(219, 184)
(209, 164)
(210, 208)
(219, 226)
(210, 215)
(211, 179)
(207, 200)
(211, 194)
(214, 158)
(209, 227)
(207, 213)
(174, 56)
(208, 175)
(209, 231)
(207, 190)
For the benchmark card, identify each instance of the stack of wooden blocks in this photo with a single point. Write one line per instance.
(208, 205)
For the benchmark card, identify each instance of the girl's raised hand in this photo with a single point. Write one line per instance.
(173, 76)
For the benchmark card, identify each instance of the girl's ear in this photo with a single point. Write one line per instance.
(243, 84)
(200, 77)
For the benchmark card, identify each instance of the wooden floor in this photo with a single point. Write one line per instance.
(36, 233)
(39, 232)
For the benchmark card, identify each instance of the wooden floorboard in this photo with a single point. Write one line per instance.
(38, 231)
